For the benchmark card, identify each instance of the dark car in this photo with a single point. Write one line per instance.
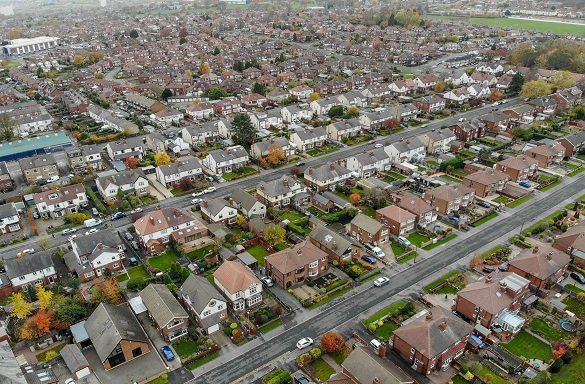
(134, 245)
(167, 353)
(369, 259)
(503, 267)
(118, 216)
(299, 378)
(300, 164)
(483, 204)
(133, 261)
(578, 277)
(488, 268)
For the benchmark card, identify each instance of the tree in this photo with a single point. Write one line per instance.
(314, 96)
(376, 198)
(440, 87)
(45, 297)
(274, 234)
(134, 34)
(242, 221)
(535, 88)
(562, 80)
(78, 59)
(275, 154)
(352, 111)
(166, 93)
(37, 325)
(76, 218)
(496, 95)
(216, 51)
(14, 33)
(185, 184)
(45, 242)
(244, 133)
(355, 198)
(332, 342)
(107, 291)
(132, 162)
(20, 307)
(216, 93)
(95, 56)
(524, 55)
(259, 89)
(392, 124)
(182, 40)
(68, 310)
(120, 193)
(31, 292)
(205, 68)
(336, 111)
(6, 127)
(162, 158)
(522, 133)
(516, 83)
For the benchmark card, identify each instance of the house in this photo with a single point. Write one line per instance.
(567, 98)
(101, 115)
(408, 150)
(144, 103)
(478, 91)
(572, 242)
(226, 160)
(301, 92)
(449, 198)
(266, 120)
(398, 220)
(352, 98)
(60, 202)
(277, 95)
(75, 361)
(129, 181)
(280, 192)
(95, 254)
(574, 144)
(205, 133)
(431, 342)
(403, 112)
(293, 266)
(200, 111)
(247, 204)
(204, 303)
(376, 119)
(402, 87)
(496, 121)
(486, 182)
(218, 210)
(367, 230)
(343, 129)
(457, 96)
(545, 105)
(36, 268)
(261, 149)
(169, 317)
(547, 154)
(322, 106)
(10, 220)
(157, 228)
(6, 182)
(457, 77)
(369, 163)
(39, 167)
(325, 177)
(543, 265)
(239, 285)
(167, 117)
(306, 139)
(429, 104)
(295, 113)
(253, 100)
(437, 141)
(519, 168)
(116, 335)
(468, 130)
(123, 149)
(170, 175)
(494, 300)
(425, 82)
(338, 247)
(425, 213)
(225, 128)
(363, 366)
(85, 159)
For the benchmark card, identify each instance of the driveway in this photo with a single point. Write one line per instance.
(157, 189)
(158, 341)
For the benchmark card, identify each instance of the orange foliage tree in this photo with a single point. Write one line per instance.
(37, 325)
(107, 291)
(132, 162)
(332, 342)
(275, 154)
(355, 198)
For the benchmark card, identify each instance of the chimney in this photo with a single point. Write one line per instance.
(151, 220)
(488, 279)
(376, 381)
(310, 171)
(285, 182)
(503, 286)
(382, 353)
(443, 326)
(332, 166)
(204, 203)
(549, 256)
(334, 245)
(535, 249)
(429, 316)
(299, 252)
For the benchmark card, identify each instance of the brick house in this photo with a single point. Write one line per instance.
(10, 220)
(449, 198)
(433, 341)
(547, 154)
(572, 242)
(367, 230)
(425, 213)
(468, 130)
(519, 168)
(325, 177)
(38, 168)
(170, 318)
(486, 182)
(338, 247)
(292, 266)
(574, 144)
(398, 220)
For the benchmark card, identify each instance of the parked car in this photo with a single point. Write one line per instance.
(461, 119)
(95, 212)
(133, 261)
(118, 216)
(369, 259)
(578, 277)
(300, 164)
(28, 251)
(299, 378)
(128, 236)
(196, 201)
(404, 241)
(209, 178)
(68, 231)
(380, 281)
(503, 267)
(137, 210)
(488, 268)
(69, 381)
(209, 190)
(197, 194)
(482, 203)
(379, 145)
(304, 342)
(134, 245)
(52, 179)
(36, 215)
(167, 353)
(525, 184)
(454, 219)
(267, 281)
(93, 230)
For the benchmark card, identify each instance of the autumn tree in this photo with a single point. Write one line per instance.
(78, 59)
(523, 55)
(14, 33)
(535, 88)
(37, 325)
(244, 132)
(95, 56)
(107, 291)
(6, 127)
(496, 95)
(332, 342)
(440, 87)
(205, 68)
(45, 297)
(185, 184)
(562, 80)
(352, 111)
(275, 154)
(20, 307)
(274, 234)
(392, 123)
(132, 162)
(162, 158)
(242, 221)
(355, 198)
(314, 96)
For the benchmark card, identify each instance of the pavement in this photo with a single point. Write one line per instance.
(409, 281)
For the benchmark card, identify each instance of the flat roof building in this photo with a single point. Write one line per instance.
(37, 145)
(24, 46)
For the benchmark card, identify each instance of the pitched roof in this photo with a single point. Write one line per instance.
(519, 162)
(200, 291)
(7, 210)
(161, 219)
(414, 204)
(365, 366)
(366, 223)
(227, 154)
(433, 333)
(488, 176)
(331, 240)
(128, 176)
(542, 261)
(161, 304)
(73, 357)
(296, 257)
(573, 238)
(26, 264)
(87, 244)
(183, 164)
(487, 293)
(396, 213)
(37, 161)
(449, 192)
(63, 194)
(326, 172)
(235, 277)
(279, 186)
(243, 199)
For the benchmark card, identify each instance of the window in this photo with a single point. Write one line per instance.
(206, 313)
(323, 258)
(136, 352)
(252, 289)
(21, 277)
(115, 265)
(412, 350)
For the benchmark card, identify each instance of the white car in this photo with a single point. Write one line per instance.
(461, 119)
(28, 251)
(68, 231)
(137, 210)
(197, 194)
(304, 342)
(52, 179)
(72, 237)
(209, 190)
(93, 230)
(379, 145)
(196, 201)
(380, 281)
(69, 381)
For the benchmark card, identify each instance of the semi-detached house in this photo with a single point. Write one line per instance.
(306, 139)
(129, 181)
(449, 198)
(200, 134)
(204, 302)
(325, 177)
(188, 167)
(218, 211)
(226, 160)
(344, 129)
(405, 150)
(123, 149)
(369, 163)
(36, 268)
(61, 202)
(9, 219)
(280, 192)
(170, 318)
(293, 266)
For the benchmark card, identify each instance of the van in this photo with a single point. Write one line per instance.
(403, 241)
(374, 251)
(375, 344)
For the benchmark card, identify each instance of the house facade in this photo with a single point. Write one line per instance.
(32, 269)
(519, 168)
(293, 266)
(129, 181)
(61, 202)
(169, 317)
(226, 160)
(239, 285)
(204, 302)
(306, 139)
(279, 192)
(93, 255)
(38, 168)
(398, 220)
(486, 182)
(543, 266)
(367, 230)
(326, 177)
(449, 198)
(10, 220)
(170, 175)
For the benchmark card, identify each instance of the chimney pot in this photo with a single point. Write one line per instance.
(488, 279)
(429, 315)
(549, 256)
(535, 249)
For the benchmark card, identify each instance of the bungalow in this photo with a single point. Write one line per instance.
(425, 213)
(449, 198)
(369, 163)
(367, 230)
(425, 82)
(457, 96)
(170, 318)
(325, 177)
(253, 100)
(377, 92)
(486, 182)
(519, 168)
(398, 220)
(457, 77)
(129, 181)
(521, 113)
(239, 285)
(402, 87)
(247, 204)
(295, 265)
(170, 175)
(279, 193)
(306, 139)
(218, 210)
(226, 160)
(196, 135)
(204, 302)
(261, 150)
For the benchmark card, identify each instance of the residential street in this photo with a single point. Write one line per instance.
(259, 352)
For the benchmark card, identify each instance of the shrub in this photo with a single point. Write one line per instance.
(372, 327)
(304, 358)
(332, 342)
(556, 366)
(567, 357)
(233, 325)
(315, 353)
(137, 284)
(50, 355)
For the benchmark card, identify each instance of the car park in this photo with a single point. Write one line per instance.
(304, 342)
(209, 190)
(578, 277)
(167, 353)
(380, 281)
(267, 281)
(369, 259)
(299, 378)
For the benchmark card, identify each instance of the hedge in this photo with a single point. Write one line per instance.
(298, 229)
(336, 284)
(371, 273)
(96, 201)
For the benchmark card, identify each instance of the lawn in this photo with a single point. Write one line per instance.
(484, 372)
(292, 216)
(528, 230)
(485, 219)
(322, 370)
(246, 171)
(527, 346)
(271, 326)
(334, 295)
(541, 327)
(205, 360)
(550, 186)
(531, 25)
(417, 239)
(519, 201)
(576, 171)
(446, 290)
(406, 258)
(138, 272)
(162, 379)
(574, 288)
(340, 356)
(386, 311)
(502, 199)
(385, 331)
(42, 357)
(440, 242)
(199, 253)
(164, 260)
(396, 175)
(488, 254)
(397, 249)
(571, 373)
(441, 280)
(368, 211)
(575, 306)
(259, 253)
(450, 178)
(320, 151)
(186, 348)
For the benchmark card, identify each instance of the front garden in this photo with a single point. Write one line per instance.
(323, 150)
(484, 219)
(451, 281)
(239, 173)
(385, 322)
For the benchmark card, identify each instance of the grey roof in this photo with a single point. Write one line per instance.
(79, 332)
(277, 187)
(230, 153)
(73, 358)
(200, 291)
(120, 178)
(366, 223)
(342, 125)
(372, 156)
(327, 172)
(110, 324)
(338, 201)
(195, 130)
(321, 199)
(129, 142)
(3, 168)
(308, 134)
(439, 135)
(262, 146)
(140, 100)
(214, 206)
(7, 210)
(182, 164)
(365, 366)
(161, 304)
(243, 199)
(28, 264)
(10, 372)
(407, 145)
(576, 139)
(37, 161)
(246, 259)
(331, 240)
(87, 244)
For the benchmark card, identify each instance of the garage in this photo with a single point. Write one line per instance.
(213, 328)
(83, 372)
(75, 361)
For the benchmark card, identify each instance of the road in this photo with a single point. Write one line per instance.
(355, 305)
(224, 189)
